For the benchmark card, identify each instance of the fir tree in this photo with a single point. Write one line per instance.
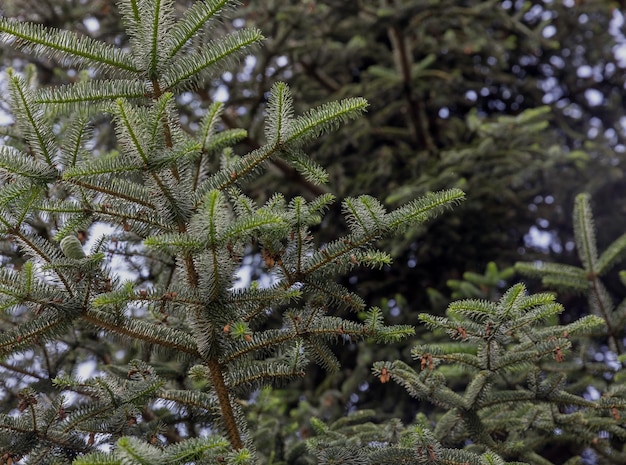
(189, 338)
(187, 355)
(516, 382)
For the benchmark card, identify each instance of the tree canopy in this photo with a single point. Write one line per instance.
(287, 232)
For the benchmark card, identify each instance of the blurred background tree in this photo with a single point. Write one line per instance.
(518, 102)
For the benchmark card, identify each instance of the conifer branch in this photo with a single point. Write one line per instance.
(289, 172)
(585, 234)
(228, 416)
(193, 67)
(36, 132)
(111, 192)
(139, 331)
(586, 279)
(42, 254)
(70, 46)
(194, 19)
(152, 185)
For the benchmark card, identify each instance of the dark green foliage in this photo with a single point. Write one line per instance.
(177, 218)
(487, 96)
(586, 279)
(516, 398)
(120, 126)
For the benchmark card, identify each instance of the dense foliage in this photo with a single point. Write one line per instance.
(169, 277)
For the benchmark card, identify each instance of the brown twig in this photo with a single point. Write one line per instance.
(416, 110)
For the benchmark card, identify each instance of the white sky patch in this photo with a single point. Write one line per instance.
(619, 50)
(221, 94)
(5, 118)
(117, 263)
(92, 24)
(594, 97)
(538, 238)
(548, 31)
(87, 370)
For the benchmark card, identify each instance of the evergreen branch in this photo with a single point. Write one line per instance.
(136, 142)
(322, 119)
(508, 397)
(244, 227)
(72, 146)
(313, 172)
(93, 212)
(216, 217)
(75, 96)
(159, 23)
(191, 399)
(585, 235)
(393, 334)
(169, 157)
(319, 204)
(192, 450)
(132, 450)
(364, 215)
(45, 437)
(260, 341)
(419, 210)
(131, 14)
(19, 164)
(114, 165)
(321, 355)
(71, 47)
(335, 251)
(212, 142)
(209, 123)
(279, 113)
(477, 310)
(585, 326)
(26, 206)
(11, 193)
(168, 338)
(127, 293)
(239, 171)
(193, 20)
(253, 376)
(174, 242)
(23, 372)
(196, 66)
(418, 385)
(130, 133)
(613, 254)
(301, 218)
(158, 123)
(510, 304)
(97, 458)
(535, 316)
(252, 302)
(467, 360)
(565, 277)
(336, 294)
(228, 416)
(116, 398)
(113, 193)
(48, 326)
(602, 304)
(129, 450)
(31, 118)
(42, 249)
(25, 287)
(476, 388)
